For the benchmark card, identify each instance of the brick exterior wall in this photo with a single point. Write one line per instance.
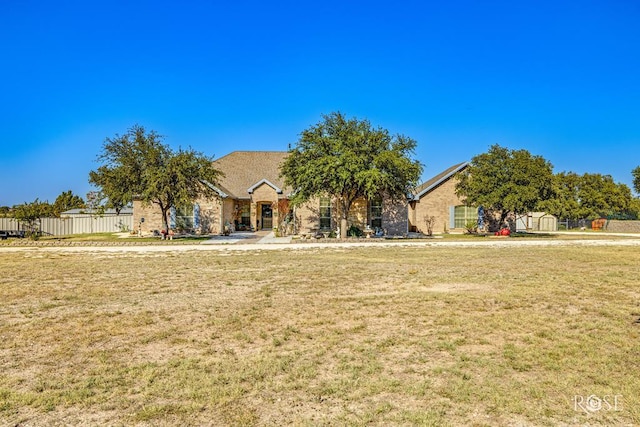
(436, 203)
(358, 214)
(209, 216)
(151, 214)
(214, 214)
(395, 218)
(307, 217)
(223, 214)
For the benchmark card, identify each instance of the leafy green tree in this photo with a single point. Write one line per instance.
(564, 202)
(65, 201)
(346, 159)
(124, 158)
(138, 164)
(636, 179)
(588, 196)
(599, 196)
(634, 208)
(31, 214)
(506, 181)
(5, 211)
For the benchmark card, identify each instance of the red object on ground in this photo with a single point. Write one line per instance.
(503, 232)
(598, 224)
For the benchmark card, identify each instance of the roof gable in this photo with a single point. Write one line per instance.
(264, 181)
(434, 182)
(244, 171)
(217, 189)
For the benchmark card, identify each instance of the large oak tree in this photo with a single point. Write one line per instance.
(506, 181)
(589, 196)
(138, 164)
(346, 159)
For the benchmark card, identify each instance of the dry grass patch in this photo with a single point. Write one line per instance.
(400, 336)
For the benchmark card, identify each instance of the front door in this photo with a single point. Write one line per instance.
(267, 216)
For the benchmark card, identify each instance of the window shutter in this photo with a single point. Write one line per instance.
(452, 217)
(196, 215)
(172, 217)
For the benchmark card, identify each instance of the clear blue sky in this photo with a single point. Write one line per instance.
(558, 78)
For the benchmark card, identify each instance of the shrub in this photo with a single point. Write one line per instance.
(354, 231)
(471, 227)
(429, 222)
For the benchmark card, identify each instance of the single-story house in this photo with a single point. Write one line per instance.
(436, 199)
(248, 196)
(253, 196)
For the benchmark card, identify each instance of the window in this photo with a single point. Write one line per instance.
(184, 217)
(375, 212)
(325, 213)
(464, 214)
(245, 217)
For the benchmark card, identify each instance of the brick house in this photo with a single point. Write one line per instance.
(252, 196)
(437, 198)
(248, 192)
(380, 215)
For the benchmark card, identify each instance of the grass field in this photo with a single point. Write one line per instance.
(332, 336)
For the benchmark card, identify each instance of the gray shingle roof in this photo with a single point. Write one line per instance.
(244, 169)
(432, 183)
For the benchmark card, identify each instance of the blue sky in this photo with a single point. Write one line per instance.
(560, 79)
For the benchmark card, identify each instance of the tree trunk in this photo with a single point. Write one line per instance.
(165, 221)
(344, 214)
(343, 228)
(503, 220)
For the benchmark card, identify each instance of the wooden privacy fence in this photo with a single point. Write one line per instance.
(75, 225)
